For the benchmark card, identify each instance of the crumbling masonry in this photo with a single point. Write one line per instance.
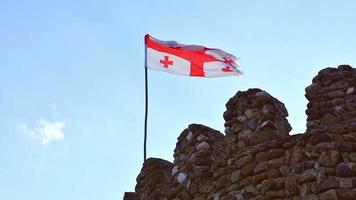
(257, 158)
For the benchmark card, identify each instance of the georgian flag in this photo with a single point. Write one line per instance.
(188, 60)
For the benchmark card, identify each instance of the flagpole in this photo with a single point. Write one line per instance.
(146, 107)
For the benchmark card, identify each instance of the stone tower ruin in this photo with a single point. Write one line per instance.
(257, 158)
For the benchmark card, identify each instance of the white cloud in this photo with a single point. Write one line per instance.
(46, 131)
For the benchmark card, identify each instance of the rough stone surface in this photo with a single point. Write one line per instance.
(153, 181)
(257, 158)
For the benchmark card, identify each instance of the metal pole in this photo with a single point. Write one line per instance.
(146, 107)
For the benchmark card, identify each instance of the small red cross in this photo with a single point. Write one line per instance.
(228, 61)
(166, 62)
(226, 69)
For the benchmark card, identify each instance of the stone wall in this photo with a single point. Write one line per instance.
(257, 158)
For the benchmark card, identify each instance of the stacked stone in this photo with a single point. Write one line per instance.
(130, 196)
(332, 101)
(253, 117)
(257, 159)
(252, 173)
(330, 136)
(154, 181)
(193, 162)
(256, 131)
(320, 172)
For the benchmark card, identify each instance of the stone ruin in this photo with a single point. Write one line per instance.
(257, 158)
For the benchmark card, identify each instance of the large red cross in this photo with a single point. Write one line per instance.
(166, 62)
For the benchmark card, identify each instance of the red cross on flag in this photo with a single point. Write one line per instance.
(188, 60)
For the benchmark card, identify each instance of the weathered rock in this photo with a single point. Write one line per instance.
(329, 183)
(235, 176)
(261, 167)
(201, 138)
(343, 170)
(130, 196)
(221, 182)
(319, 137)
(252, 113)
(346, 194)
(352, 157)
(244, 161)
(350, 90)
(307, 176)
(329, 119)
(190, 136)
(202, 146)
(182, 177)
(263, 136)
(329, 195)
(267, 185)
(329, 158)
(346, 183)
(310, 197)
(193, 188)
(246, 135)
(206, 187)
(339, 85)
(313, 88)
(336, 94)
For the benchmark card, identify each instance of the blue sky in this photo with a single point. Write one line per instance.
(72, 82)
